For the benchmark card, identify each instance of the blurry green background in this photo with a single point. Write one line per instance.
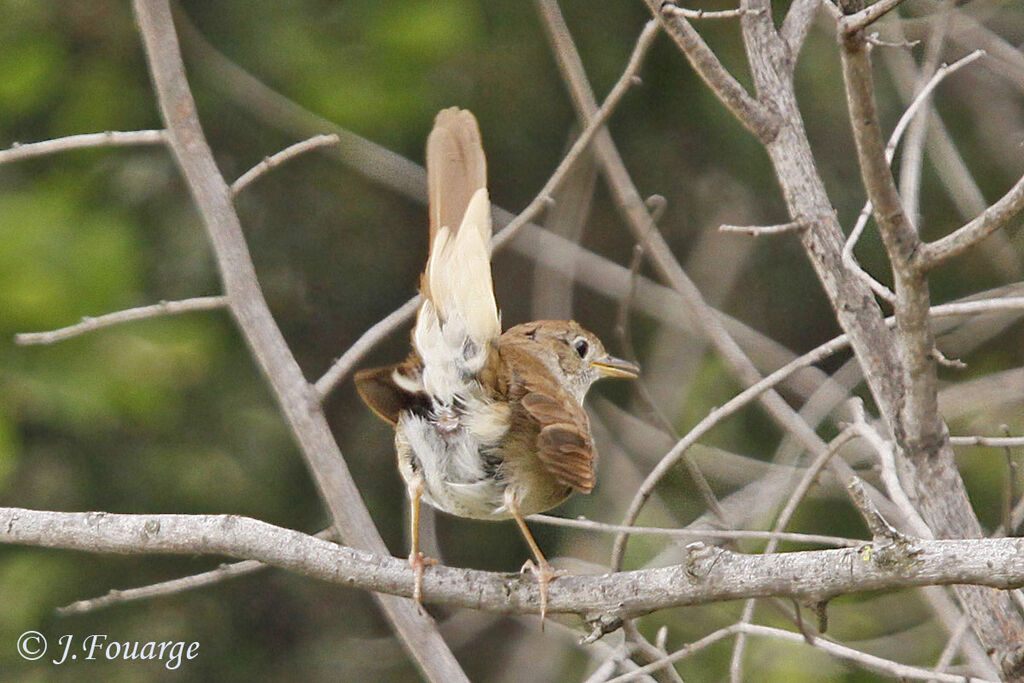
(171, 415)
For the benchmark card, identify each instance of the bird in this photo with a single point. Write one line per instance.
(488, 424)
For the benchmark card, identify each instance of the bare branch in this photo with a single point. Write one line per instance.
(890, 476)
(672, 9)
(858, 21)
(369, 339)
(988, 441)
(934, 254)
(594, 126)
(906, 118)
(869, 661)
(759, 230)
(284, 155)
(702, 534)
(202, 303)
(709, 574)
(797, 23)
(111, 138)
(754, 116)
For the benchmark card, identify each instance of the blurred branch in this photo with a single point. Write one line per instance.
(284, 155)
(988, 441)
(202, 303)
(294, 394)
(868, 661)
(111, 138)
(708, 575)
(759, 230)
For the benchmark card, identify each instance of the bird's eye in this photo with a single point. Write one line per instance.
(581, 346)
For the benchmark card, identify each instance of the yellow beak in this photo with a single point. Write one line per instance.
(609, 366)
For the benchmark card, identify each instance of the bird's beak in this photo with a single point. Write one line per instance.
(609, 366)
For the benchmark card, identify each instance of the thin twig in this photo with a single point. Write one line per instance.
(798, 494)
(989, 441)
(590, 525)
(623, 329)
(913, 152)
(868, 661)
(111, 138)
(202, 303)
(698, 14)
(934, 254)
(890, 476)
(758, 230)
(172, 587)
(859, 20)
(281, 157)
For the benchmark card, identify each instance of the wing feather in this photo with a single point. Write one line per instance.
(564, 444)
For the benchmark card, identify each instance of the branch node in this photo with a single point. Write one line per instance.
(882, 533)
(600, 626)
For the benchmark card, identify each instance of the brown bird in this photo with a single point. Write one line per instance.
(488, 425)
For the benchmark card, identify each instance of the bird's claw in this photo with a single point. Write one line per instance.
(545, 574)
(418, 561)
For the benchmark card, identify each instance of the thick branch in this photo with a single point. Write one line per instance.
(709, 574)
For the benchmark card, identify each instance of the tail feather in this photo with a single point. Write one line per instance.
(456, 168)
(459, 317)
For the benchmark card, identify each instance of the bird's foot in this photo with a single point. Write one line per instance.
(545, 574)
(418, 561)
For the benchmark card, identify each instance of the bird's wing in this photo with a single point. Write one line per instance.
(391, 389)
(459, 317)
(564, 444)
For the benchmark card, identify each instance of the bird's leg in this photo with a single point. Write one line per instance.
(543, 571)
(417, 560)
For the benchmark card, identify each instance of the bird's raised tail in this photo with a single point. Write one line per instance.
(459, 317)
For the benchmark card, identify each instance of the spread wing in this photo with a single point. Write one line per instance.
(564, 444)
